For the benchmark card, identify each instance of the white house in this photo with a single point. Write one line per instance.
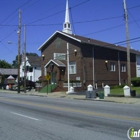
(33, 68)
(138, 65)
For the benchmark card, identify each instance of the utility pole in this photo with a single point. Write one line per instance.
(128, 45)
(24, 58)
(19, 34)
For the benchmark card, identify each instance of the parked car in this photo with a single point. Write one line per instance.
(29, 84)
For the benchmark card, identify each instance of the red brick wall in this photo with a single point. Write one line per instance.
(84, 62)
(52, 48)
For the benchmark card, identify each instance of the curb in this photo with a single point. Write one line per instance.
(57, 95)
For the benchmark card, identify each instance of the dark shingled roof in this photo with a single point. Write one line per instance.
(82, 39)
(8, 71)
(34, 60)
(102, 44)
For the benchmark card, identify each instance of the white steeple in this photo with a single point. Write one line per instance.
(67, 25)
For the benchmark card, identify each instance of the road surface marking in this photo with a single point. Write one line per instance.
(74, 110)
(25, 116)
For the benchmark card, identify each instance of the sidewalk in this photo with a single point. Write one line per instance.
(128, 100)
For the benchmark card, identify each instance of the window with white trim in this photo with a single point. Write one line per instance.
(123, 68)
(72, 67)
(59, 56)
(112, 66)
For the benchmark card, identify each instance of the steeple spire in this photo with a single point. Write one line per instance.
(67, 25)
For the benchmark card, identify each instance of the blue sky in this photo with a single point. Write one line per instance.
(98, 19)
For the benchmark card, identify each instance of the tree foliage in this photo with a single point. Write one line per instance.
(31, 54)
(15, 62)
(135, 81)
(4, 64)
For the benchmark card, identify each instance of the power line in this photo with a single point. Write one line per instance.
(134, 7)
(104, 30)
(108, 18)
(15, 11)
(57, 13)
(120, 42)
(31, 5)
(77, 22)
(8, 35)
(7, 48)
(72, 21)
(45, 17)
(134, 19)
(80, 4)
(132, 40)
(48, 10)
(109, 28)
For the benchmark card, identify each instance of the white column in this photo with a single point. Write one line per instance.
(119, 68)
(68, 68)
(34, 73)
(93, 67)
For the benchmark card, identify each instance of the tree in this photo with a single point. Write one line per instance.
(31, 54)
(15, 62)
(4, 64)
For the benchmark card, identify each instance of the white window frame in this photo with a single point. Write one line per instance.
(72, 67)
(112, 66)
(31, 78)
(123, 68)
(59, 56)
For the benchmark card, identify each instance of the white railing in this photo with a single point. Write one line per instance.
(38, 84)
(72, 84)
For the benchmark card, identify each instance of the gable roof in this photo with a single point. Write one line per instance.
(57, 32)
(34, 60)
(56, 62)
(10, 77)
(90, 41)
(8, 71)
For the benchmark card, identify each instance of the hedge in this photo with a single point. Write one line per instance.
(135, 81)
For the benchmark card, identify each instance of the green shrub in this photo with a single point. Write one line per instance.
(135, 81)
(117, 86)
(73, 81)
(39, 81)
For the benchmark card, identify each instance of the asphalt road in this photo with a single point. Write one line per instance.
(24, 117)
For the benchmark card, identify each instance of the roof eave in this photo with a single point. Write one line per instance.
(90, 43)
(54, 63)
(54, 35)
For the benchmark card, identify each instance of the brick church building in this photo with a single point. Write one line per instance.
(83, 61)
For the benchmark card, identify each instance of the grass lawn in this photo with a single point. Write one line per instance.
(120, 91)
(48, 88)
